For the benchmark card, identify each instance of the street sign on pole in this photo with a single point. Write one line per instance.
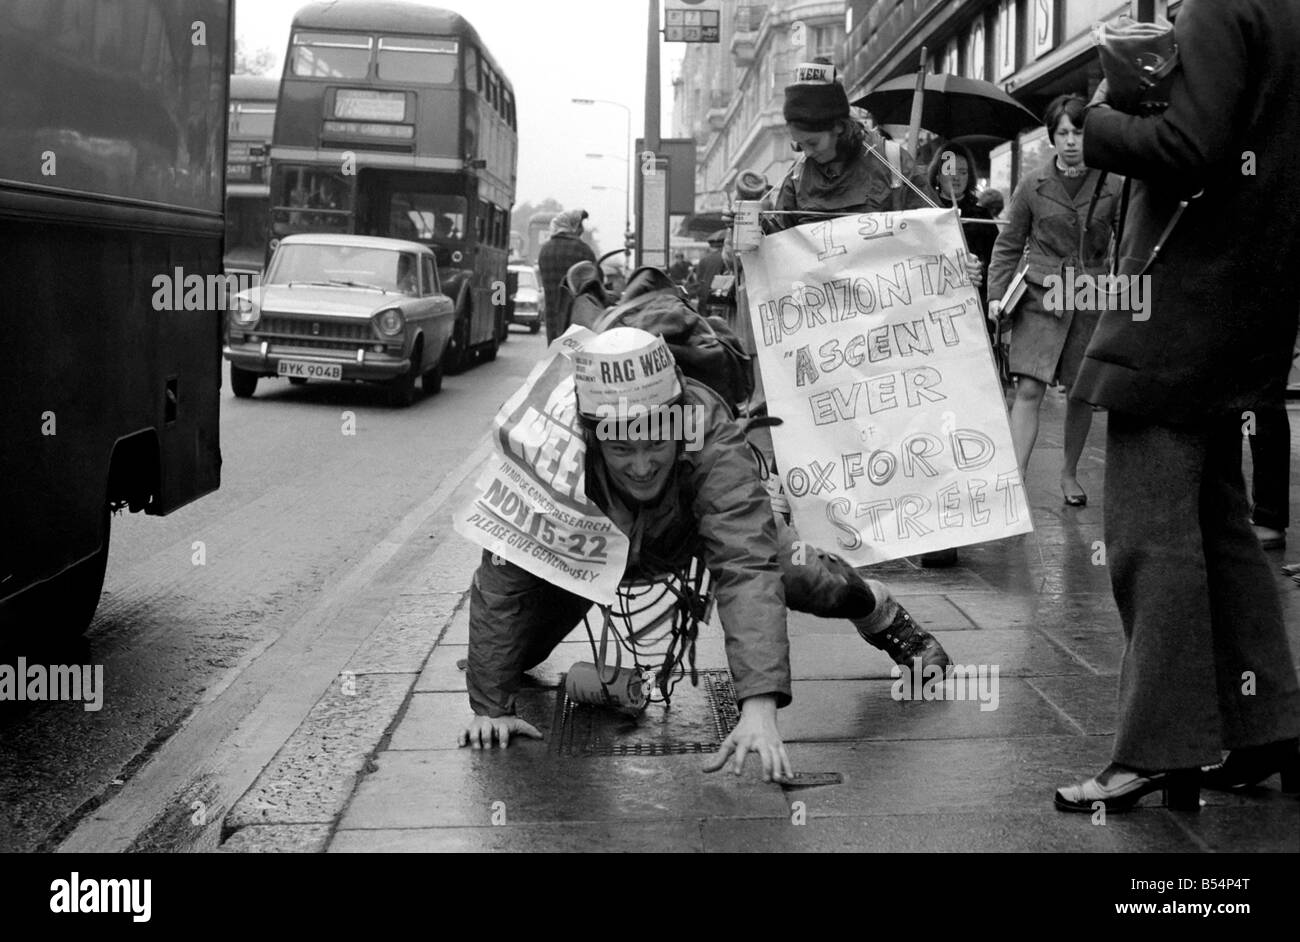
(691, 24)
(652, 221)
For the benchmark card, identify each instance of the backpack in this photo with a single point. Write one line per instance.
(705, 348)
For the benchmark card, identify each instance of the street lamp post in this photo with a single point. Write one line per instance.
(627, 149)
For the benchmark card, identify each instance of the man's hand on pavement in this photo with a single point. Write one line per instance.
(482, 732)
(756, 732)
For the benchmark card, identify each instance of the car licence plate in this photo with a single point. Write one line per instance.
(309, 370)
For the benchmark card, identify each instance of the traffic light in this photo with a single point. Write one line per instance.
(629, 242)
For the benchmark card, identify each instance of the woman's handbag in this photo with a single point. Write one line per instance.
(1138, 60)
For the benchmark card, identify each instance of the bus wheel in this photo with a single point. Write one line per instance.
(401, 391)
(458, 357)
(242, 383)
(62, 607)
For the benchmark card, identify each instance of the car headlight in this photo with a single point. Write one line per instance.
(390, 322)
(245, 312)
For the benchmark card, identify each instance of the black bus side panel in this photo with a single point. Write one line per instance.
(90, 364)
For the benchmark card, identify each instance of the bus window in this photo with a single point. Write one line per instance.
(252, 120)
(427, 216)
(331, 55)
(313, 188)
(471, 68)
(418, 61)
(510, 106)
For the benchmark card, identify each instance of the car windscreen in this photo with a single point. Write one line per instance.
(344, 265)
(527, 279)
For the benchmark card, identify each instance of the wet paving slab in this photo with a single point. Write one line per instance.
(684, 836)
(825, 711)
(1089, 702)
(528, 785)
(1265, 822)
(845, 656)
(1008, 831)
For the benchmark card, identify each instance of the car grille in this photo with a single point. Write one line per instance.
(327, 334)
(320, 329)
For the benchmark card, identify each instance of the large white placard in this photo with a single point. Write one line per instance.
(532, 506)
(873, 350)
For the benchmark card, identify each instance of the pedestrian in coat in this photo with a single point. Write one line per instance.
(843, 167)
(708, 268)
(562, 251)
(951, 176)
(1046, 234)
(1206, 661)
(675, 503)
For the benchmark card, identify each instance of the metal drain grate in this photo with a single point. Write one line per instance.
(698, 721)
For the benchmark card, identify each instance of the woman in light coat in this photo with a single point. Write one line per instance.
(1046, 234)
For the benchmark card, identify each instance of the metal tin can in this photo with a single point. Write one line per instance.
(746, 232)
(626, 692)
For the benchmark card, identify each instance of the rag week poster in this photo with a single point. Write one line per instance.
(873, 350)
(531, 507)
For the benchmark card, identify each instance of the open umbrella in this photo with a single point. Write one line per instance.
(953, 106)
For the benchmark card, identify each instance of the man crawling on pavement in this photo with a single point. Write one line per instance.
(675, 503)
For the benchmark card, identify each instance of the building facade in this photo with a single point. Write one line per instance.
(1033, 49)
(728, 96)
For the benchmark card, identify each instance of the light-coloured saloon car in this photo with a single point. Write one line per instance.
(527, 302)
(342, 307)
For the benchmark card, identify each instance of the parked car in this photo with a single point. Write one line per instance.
(526, 304)
(343, 307)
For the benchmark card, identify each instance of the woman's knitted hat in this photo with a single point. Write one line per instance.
(815, 99)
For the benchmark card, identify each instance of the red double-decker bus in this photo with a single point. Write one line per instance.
(248, 171)
(394, 120)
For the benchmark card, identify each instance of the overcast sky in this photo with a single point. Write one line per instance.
(552, 52)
